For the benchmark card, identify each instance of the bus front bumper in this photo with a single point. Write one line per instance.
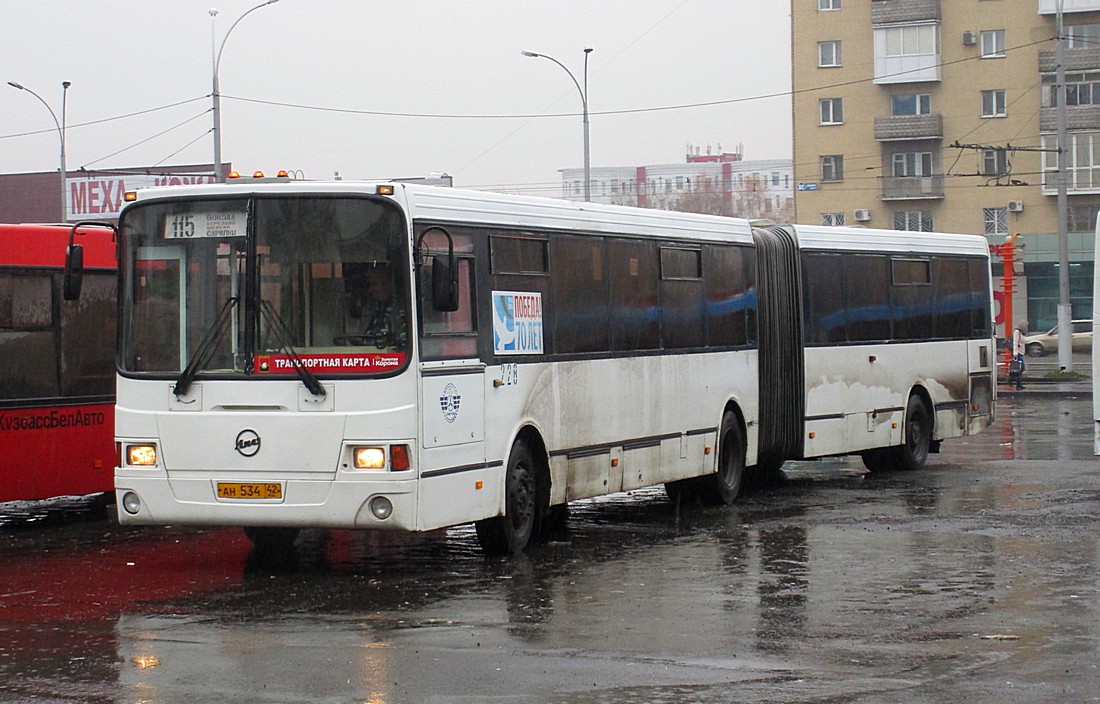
(301, 503)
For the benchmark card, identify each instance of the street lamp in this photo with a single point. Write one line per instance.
(216, 58)
(584, 105)
(60, 133)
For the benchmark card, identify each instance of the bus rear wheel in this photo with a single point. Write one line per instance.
(912, 453)
(722, 487)
(510, 533)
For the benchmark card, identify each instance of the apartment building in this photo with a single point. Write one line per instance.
(930, 115)
(710, 181)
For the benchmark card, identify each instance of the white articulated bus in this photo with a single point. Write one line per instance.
(385, 355)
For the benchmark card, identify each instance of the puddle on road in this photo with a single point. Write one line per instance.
(968, 574)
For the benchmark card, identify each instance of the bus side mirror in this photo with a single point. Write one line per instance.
(444, 284)
(74, 272)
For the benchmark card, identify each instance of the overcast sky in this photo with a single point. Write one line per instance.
(326, 64)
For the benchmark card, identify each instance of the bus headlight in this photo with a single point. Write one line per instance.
(369, 457)
(381, 507)
(131, 503)
(141, 455)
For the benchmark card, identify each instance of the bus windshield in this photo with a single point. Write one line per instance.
(264, 285)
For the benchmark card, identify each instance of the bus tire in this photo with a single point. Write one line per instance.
(878, 460)
(510, 533)
(913, 451)
(722, 487)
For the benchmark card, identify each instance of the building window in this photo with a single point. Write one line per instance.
(832, 219)
(911, 164)
(832, 111)
(1082, 161)
(992, 44)
(832, 167)
(907, 53)
(1081, 89)
(827, 5)
(913, 220)
(911, 40)
(996, 221)
(912, 104)
(1082, 36)
(993, 103)
(828, 54)
(994, 162)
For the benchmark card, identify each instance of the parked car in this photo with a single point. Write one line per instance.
(1042, 343)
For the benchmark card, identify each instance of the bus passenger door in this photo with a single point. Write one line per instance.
(453, 486)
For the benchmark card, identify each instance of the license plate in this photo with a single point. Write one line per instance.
(237, 490)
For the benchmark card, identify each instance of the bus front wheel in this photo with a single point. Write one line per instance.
(510, 533)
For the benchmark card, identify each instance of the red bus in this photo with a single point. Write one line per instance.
(57, 370)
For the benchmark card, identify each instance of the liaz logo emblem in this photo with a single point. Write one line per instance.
(248, 442)
(449, 403)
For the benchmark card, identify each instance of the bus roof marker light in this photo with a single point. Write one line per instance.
(257, 174)
(384, 189)
(129, 196)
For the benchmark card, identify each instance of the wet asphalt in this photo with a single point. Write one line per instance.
(974, 579)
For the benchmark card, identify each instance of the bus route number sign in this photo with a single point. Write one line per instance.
(220, 224)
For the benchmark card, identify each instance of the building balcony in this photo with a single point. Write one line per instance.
(896, 11)
(912, 187)
(893, 128)
(1078, 117)
(1087, 59)
(1050, 7)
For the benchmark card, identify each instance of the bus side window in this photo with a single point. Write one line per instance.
(449, 335)
(28, 336)
(88, 338)
(951, 286)
(824, 304)
(980, 296)
(867, 280)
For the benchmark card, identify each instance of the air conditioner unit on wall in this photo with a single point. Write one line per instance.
(1015, 206)
(862, 214)
(970, 38)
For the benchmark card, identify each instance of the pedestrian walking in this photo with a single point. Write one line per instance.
(1016, 364)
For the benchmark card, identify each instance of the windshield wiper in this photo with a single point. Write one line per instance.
(282, 334)
(207, 345)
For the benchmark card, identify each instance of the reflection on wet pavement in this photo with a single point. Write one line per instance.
(974, 578)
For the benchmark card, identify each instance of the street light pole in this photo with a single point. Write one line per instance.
(1065, 307)
(584, 105)
(60, 133)
(217, 98)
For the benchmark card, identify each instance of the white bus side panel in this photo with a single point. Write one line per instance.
(605, 426)
(856, 395)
